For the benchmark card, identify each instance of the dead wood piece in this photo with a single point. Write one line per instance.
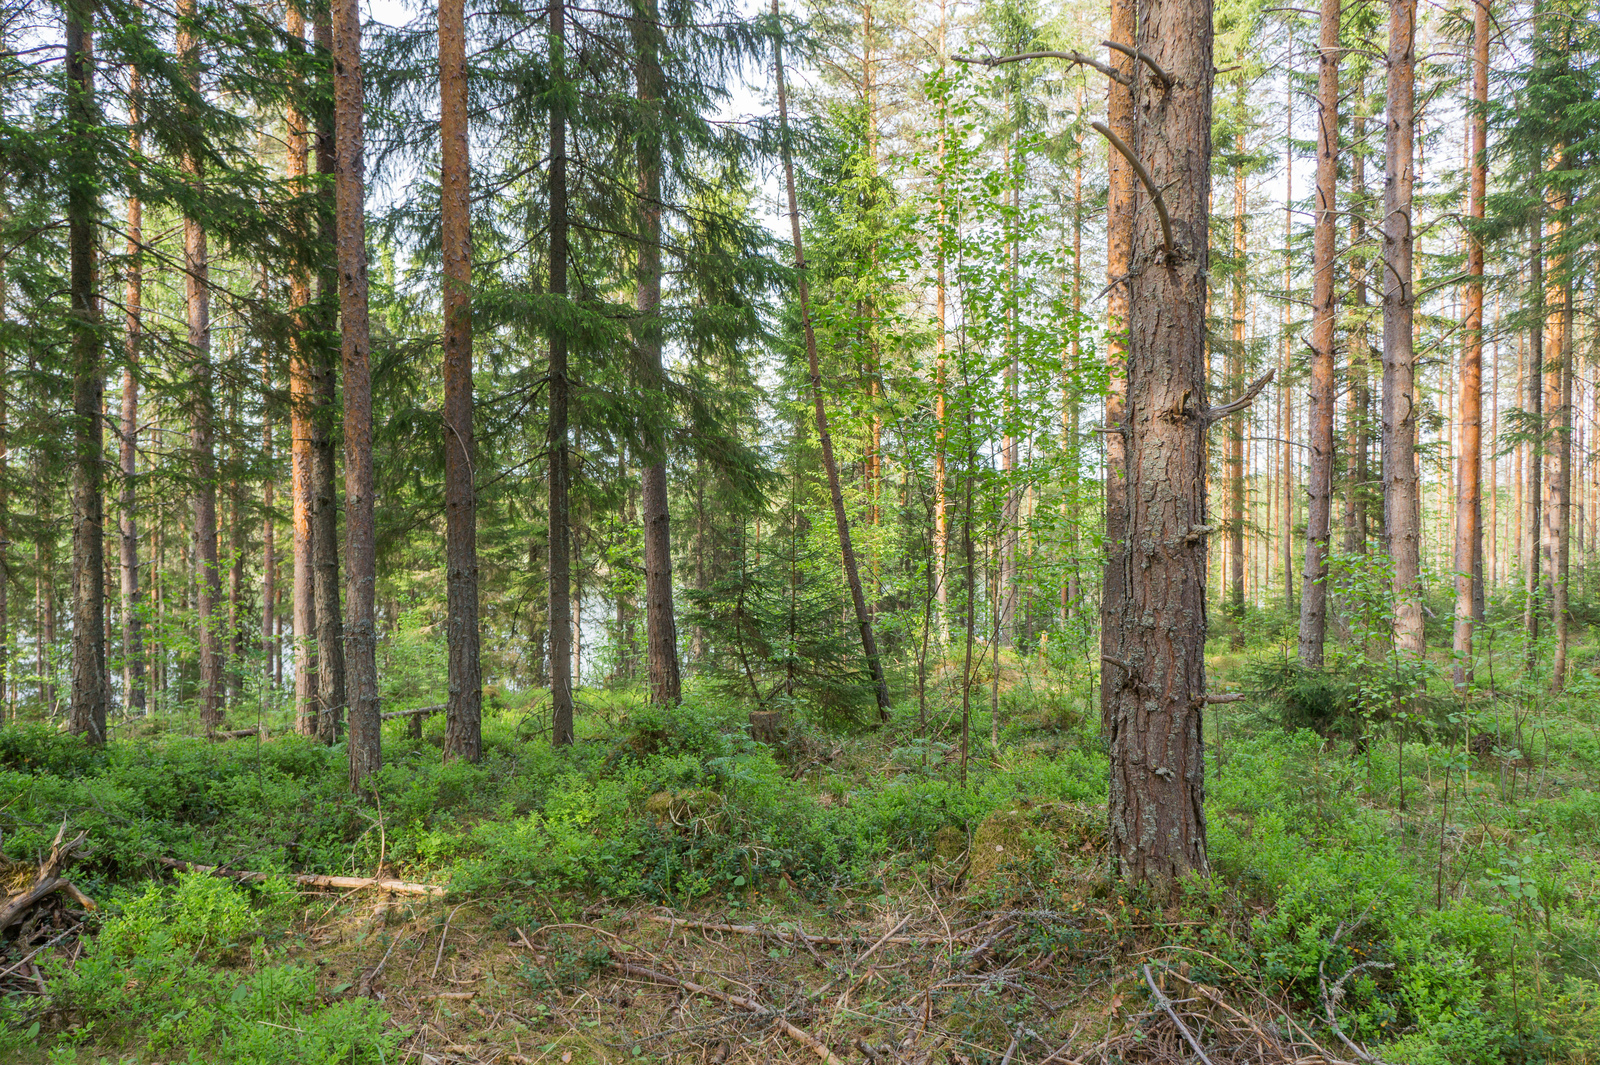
(1165, 1003)
(630, 967)
(976, 956)
(793, 937)
(354, 883)
(415, 711)
(47, 880)
(238, 733)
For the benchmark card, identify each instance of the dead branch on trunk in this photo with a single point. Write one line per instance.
(1216, 414)
(415, 711)
(1144, 175)
(1072, 57)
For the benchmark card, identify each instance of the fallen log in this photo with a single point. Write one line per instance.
(344, 883)
(415, 711)
(47, 881)
(239, 733)
(629, 967)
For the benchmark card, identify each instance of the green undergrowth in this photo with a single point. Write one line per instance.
(1439, 893)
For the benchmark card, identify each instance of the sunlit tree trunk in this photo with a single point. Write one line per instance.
(366, 754)
(1157, 787)
(1324, 307)
(1400, 482)
(1469, 487)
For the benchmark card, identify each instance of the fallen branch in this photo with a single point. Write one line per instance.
(796, 937)
(1165, 1003)
(47, 880)
(345, 883)
(799, 1035)
(415, 711)
(238, 733)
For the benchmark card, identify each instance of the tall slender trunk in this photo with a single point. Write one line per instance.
(128, 442)
(366, 735)
(303, 358)
(560, 517)
(463, 734)
(88, 714)
(1286, 393)
(269, 539)
(661, 629)
(202, 445)
(941, 431)
(1469, 476)
(1119, 261)
(1324, 307)
(869, 644)
(1561, 496)
(1357, 526)
(1531, 613)
(1400, 482)
(1071, 408)
(332, 690)
(1235, 377)
(8, 686)
(236, 544)
(1157, 786)
(1006, 593)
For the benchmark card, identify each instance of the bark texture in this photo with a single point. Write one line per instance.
(87, 716)
(463, 735)
(1402, 524)
(1157, 791)
(561, 642)
(366, 754)
(1324, 306)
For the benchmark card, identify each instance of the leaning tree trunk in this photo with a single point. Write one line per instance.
(1324, 305)
(661, 632)
(1158, 683)
(1469, 476)
(366, 736)
(1119, 257)
(202, 444)
(302, 412)
(869, 643)
(1400, 487)
(463, 734)
(88, 714)
(560, 517)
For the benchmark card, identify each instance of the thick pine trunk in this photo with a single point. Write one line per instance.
(560, 518)
(463, 736)
(366, 754)
(202, 444)
(87, 717)
(661, 630)
(1324, 306)
(302, 432)
(1401, 499)
(1469, 487)
(1157, 791)
(869, 643)
(1119, 258)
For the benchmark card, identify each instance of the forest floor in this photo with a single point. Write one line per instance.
(670, 890)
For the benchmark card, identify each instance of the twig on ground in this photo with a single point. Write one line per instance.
(398, 887)
(1166, 1004)
(439, 955)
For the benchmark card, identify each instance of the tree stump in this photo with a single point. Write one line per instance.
(766, 726)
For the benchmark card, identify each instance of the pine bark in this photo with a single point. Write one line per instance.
(869, 643)
(560, 517)
(366, 754)
(661, 630)
(463, 736)
(1157, 789)
(1324, 307)
(1400, 482)
(202, 443)
(302, 413)
(87, 717)
(1469, 474)
(1119, 259)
